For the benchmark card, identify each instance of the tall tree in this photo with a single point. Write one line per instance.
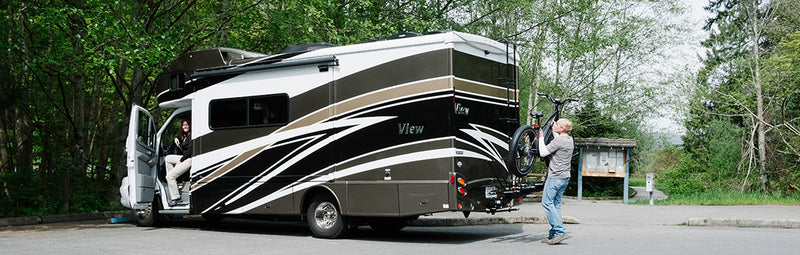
(739, 74)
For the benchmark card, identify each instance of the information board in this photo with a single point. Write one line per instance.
(603, 162)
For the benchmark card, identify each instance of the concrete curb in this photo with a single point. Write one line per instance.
(753, 223)
(19, 221)
(431, 222)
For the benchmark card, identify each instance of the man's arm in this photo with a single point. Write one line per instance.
(543, 151)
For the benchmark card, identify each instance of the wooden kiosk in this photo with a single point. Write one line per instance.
(604, 157)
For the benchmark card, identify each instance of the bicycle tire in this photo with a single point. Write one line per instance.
(522, 152)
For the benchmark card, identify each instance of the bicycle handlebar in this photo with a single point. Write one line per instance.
(556, 100)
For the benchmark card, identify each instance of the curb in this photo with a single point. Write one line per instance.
(755, 223)
(20, 221)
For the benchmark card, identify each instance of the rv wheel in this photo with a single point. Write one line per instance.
(521, 153)
(150, 217)
(325, 218)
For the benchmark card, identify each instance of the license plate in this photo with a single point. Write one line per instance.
(491, 192)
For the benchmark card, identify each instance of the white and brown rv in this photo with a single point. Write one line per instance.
(377, 133)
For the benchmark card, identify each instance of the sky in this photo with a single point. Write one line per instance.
(684, 56)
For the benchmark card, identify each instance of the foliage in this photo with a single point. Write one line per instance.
(729, 198)
(743, 113)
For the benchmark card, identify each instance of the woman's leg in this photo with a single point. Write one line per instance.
(171, 161)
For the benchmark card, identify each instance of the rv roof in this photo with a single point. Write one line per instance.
(200, 68)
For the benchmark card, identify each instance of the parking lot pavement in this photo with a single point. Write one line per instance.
(573, 212)
(616, 212)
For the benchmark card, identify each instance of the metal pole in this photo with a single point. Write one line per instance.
(580, 174)
(625, 193)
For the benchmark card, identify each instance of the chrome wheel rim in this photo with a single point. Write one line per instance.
(325, 215)
(144, 214)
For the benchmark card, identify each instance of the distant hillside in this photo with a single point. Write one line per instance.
(672, 138)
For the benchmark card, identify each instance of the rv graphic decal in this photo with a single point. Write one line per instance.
(461, 110)
(408, 129)
(489, 144)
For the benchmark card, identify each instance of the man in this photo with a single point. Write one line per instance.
(560, 152)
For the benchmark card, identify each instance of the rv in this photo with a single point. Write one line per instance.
(373, 134)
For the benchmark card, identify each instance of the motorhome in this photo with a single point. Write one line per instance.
(375, 134)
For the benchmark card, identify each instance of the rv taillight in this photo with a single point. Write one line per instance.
(452, 179)
(462, 181)
(462, 191)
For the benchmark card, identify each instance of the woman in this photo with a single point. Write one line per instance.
(179, 164)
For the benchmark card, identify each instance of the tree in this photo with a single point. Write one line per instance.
(747, 82)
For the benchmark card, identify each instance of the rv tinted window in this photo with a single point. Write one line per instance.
(227, 113)
(249, 112)
(269, 110)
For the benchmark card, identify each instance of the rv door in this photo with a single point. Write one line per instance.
(141, 157)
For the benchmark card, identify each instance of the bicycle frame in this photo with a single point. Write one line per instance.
(524, 148)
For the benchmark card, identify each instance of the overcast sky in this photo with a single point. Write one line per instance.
(684, 56)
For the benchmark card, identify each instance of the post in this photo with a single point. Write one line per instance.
(580, 174)
(627, 158)
(649, 185)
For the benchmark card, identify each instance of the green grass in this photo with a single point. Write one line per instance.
(727, 198)
(636, 182)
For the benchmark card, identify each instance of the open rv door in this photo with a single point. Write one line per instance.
(141, 158)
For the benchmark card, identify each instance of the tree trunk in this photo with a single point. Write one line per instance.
(23, 133)
(762, 151)
(5, 157)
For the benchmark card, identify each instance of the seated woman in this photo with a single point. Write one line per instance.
(179, 164)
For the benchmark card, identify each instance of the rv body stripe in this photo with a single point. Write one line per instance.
(387, 94)
(476, 87)
(277, 167)
(353, 124)
(487, 142)
(486, 101)
(486, 147)
(238, 160)
(362, 160)
(400, 159)
(212, 166)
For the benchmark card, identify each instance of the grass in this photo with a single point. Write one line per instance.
(727, 198)
(636, 182)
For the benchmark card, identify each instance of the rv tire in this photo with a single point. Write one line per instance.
(521, 151)
(325, 218)
(150, 217)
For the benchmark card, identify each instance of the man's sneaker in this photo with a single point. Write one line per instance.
(558, 239)
(546, 240)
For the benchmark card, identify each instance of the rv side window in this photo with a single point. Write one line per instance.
(269, 110)
(176, 82)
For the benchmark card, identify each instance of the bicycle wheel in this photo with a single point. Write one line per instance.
(521, 152)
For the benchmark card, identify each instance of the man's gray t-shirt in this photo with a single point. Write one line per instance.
(560, 156)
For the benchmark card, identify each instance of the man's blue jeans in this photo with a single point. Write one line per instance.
(551, 201)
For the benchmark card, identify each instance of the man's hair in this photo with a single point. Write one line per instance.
(566, 124)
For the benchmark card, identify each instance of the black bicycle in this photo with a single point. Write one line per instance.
(524, 149)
